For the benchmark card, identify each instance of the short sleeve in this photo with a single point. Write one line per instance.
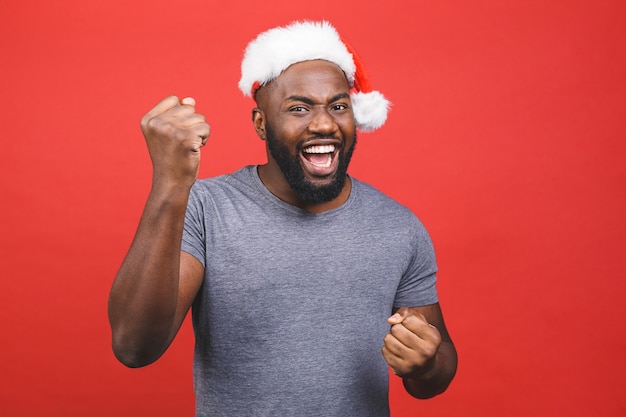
(418, 284)
(194, 231)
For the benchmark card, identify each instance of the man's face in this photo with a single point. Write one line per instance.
(310, 130)
(292, 168)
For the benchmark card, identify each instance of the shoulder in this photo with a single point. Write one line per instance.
(377, 207)
(240, 181)
(376, 202)
(224, 193)
(237, 179)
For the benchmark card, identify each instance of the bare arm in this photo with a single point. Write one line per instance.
(156, 282)
(419, 349)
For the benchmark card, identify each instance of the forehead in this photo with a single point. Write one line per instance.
(307, 79)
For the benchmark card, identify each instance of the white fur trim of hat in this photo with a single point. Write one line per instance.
(273, 51)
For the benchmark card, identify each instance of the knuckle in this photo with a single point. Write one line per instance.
(429, 350)
(154, 124)
(146, 122)
(397, 329)
(437, 338)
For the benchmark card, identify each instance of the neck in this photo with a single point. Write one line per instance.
(274, 180)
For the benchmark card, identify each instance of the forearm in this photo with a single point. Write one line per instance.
(435, 380)
(144, 296)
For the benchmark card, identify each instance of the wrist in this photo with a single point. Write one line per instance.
(172, 187)
(434, 379)
(169, 194)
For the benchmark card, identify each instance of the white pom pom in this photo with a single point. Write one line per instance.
(370, 110)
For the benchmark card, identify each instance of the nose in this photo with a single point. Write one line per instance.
(322, 123)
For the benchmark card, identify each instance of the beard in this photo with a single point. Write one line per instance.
(308, 192)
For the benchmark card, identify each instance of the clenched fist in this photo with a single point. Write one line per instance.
(174, 134)
(412, 344)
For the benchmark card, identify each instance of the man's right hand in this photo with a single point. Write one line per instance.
(174, 133)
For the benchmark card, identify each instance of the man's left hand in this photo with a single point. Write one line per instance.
(412, 343)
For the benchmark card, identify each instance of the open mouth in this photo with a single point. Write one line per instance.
(320, 160)
(320, 156)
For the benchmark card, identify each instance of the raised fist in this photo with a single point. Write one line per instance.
(174, 134)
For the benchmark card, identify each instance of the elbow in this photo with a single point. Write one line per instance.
(427, 393)
(131, 359)
(132, 354)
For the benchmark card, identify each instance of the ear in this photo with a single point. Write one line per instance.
(258, 119)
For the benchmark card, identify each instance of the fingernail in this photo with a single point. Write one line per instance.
(396, 317)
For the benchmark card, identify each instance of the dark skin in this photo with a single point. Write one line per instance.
(419, 349)
(310, 107)
(157, 283)
(308, 104)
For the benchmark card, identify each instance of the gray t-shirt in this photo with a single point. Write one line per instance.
(292, 313)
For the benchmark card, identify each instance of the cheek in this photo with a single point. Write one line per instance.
(284, 140)
(346, 122)
(289, 132)
(348, 131)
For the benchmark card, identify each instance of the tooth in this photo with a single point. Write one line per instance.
(320, 149)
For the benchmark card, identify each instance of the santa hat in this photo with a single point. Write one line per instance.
(273, 51)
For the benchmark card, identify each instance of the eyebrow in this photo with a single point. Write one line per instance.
(311, 102)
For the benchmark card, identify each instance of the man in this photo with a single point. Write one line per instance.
(291, 268)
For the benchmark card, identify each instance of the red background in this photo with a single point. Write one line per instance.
(507, 137)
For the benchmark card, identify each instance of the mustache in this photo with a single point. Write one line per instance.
(304, 142)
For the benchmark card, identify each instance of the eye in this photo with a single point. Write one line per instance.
(297, 109)
(339, 106)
